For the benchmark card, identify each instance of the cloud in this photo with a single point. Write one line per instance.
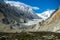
(36, 8)
(19, 4)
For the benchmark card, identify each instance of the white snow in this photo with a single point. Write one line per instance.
(22, 6)
(19, 4)
(46, 14)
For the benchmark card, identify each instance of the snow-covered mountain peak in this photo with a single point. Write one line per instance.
(46, 14)
(22, 6)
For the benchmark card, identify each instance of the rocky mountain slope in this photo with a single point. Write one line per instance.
(11, 19)
(13, 13)
(11, 16)
(53, 23)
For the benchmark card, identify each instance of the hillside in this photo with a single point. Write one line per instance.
(53, 23)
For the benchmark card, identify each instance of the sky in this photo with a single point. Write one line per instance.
(43, 5)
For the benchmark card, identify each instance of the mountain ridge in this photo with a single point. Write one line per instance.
(11, 12)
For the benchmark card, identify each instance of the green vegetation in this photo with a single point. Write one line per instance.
(30, 36)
